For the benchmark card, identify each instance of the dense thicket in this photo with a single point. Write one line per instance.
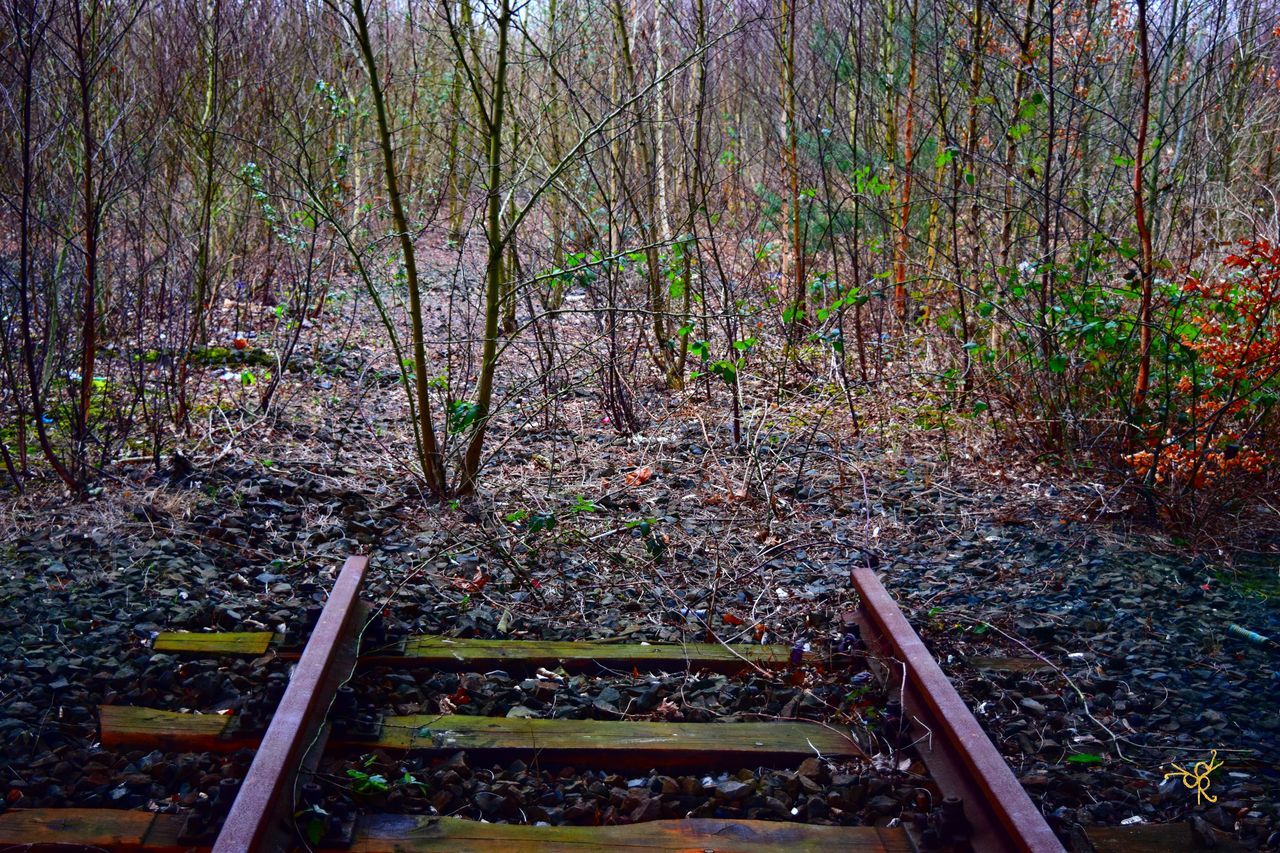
(1025, 213)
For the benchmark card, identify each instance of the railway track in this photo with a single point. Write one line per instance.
(970, 801)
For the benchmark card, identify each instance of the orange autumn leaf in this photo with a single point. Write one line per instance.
(730, 619)
(640, 476)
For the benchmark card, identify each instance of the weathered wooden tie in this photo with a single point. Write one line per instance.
(119, 831)
(131, 832)
(621, 743)
(222, 643)
(451, 653)
(448, 652)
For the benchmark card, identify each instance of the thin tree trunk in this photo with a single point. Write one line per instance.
(207, 141)
(908, 158)
(200, 294)
(799, 309)
(429, 455)
(1142, 384)
(458, 172)
(494, 262)
(696, 192)
(977, 47)
(33, 31)
(1011, 142)
(89, 338)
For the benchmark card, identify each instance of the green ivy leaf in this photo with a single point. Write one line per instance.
(542, 521)
(726, 370)
(583, 505)
(462, 414)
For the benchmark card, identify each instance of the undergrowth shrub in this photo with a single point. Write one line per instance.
(1211, 446)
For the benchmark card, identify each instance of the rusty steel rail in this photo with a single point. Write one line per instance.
(961, 758)
(261, 818)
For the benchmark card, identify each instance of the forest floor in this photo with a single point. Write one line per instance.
(1123, 662)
